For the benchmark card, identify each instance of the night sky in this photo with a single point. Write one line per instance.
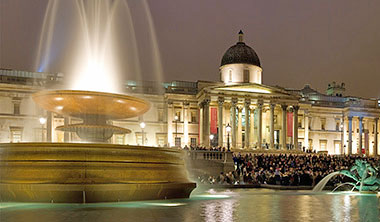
(299, 42)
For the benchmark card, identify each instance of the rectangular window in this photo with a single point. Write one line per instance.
(161, 139)
(246, 75)
(178, 114)
(323, 124)
(16, 108)
(178, 141)
(119, 138)
(322, 145)
(160, 115)
(193, 141)
(193, 117)
(16, 134)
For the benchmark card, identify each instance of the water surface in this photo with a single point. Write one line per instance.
(211, 205)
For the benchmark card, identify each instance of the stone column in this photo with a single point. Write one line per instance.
(252, 127)
(186, 123)
(375, 146)
(220, 120)
(306, 126)
(283, 131)
(260, 123)
(49, 126)
(272, 106)
(170, 123)
(233, 124)
(247, 103)
(239, 127)
(360, 136)
(349, 135)
(206, 122)
(66, 135)
(200, 123)
(341, 127)
(295, 127)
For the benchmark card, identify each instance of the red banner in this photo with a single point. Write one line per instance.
(199, 127)
(290, 124)
(214, 120)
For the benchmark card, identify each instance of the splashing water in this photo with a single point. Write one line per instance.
(319, 187)
(94, 56)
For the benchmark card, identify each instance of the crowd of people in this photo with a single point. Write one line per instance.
(287, 169)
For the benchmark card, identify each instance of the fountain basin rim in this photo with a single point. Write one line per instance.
(74, 127)
(80, 104)
(88, 145)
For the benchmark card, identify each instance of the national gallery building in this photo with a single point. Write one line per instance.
(239, 112)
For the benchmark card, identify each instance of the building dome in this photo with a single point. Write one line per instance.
(240, 64)
(240, 53)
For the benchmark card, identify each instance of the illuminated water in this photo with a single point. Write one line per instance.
(211, 205)
(94, 43)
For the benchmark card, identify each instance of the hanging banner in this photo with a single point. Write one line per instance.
(290, 124)
(199, 127)
(214, 120)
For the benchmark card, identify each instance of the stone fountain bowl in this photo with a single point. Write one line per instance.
(80, 104)
(89, 173)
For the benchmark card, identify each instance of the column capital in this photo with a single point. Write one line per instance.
(247, 102)
(186, 103)
(240, 108)
(170, 102)
(296, 108)
(284, 107)
(234, 101)
(349, 118)
(376, 119)
(360, 118)
(272, 106)
(206, 101)
(260, 104)
(220, 101)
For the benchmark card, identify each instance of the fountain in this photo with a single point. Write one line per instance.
(365, 178)
(94, 170)
(91, 172)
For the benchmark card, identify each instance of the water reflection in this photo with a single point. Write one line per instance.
(215, 205)
(219, 210)
(369, 208)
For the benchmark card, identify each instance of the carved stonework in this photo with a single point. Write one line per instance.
(220, 101)
(234, 102)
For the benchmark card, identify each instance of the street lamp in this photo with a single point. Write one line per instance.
(142, 126)
(176, 132)
(42, 122)
(228, 129)
(211, 138)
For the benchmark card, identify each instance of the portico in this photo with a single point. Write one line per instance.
(255, 111)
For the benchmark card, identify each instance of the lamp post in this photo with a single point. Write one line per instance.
(142, 125)
(176, 132)
(228, 129)
(211, 138)
(42, 122)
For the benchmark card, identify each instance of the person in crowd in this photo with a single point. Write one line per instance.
(288, 169)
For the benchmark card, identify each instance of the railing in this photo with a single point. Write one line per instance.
(210, 155)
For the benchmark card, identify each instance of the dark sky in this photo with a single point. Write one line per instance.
(298, 41)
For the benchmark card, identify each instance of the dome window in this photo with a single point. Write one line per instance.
(246, 75)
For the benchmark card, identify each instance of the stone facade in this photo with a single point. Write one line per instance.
(198, 113)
